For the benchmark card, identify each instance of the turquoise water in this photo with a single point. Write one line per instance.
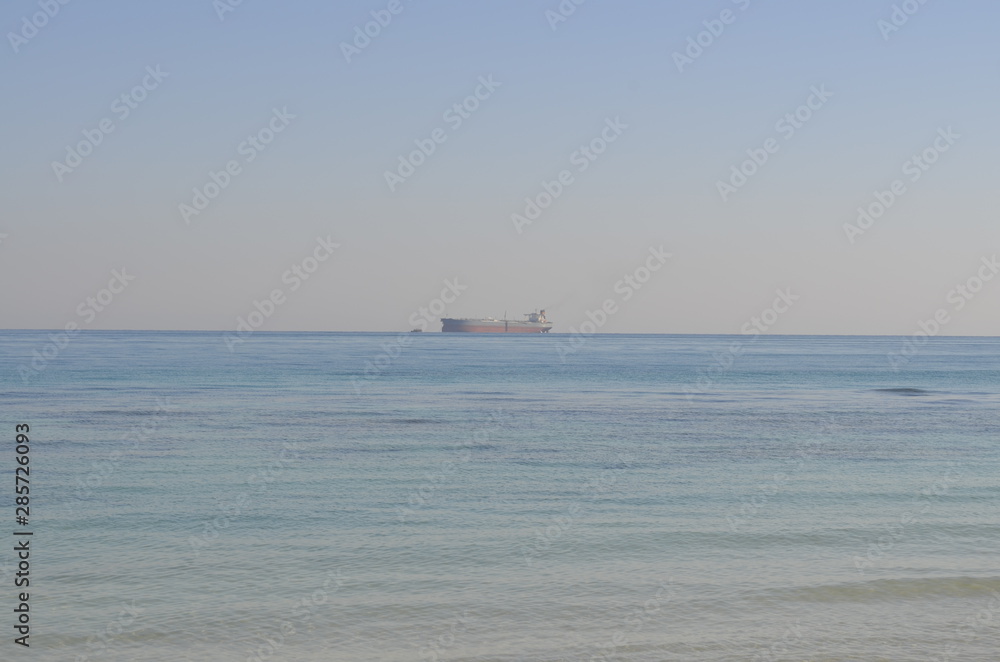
(462, 497)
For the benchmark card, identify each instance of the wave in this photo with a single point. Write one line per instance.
(894, 589)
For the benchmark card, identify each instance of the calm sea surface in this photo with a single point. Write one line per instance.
(463, 497)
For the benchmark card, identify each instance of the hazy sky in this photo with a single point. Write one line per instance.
(199, 81)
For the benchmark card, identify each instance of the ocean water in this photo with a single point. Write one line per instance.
(463, 497)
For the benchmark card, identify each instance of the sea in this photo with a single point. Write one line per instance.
(501, 498)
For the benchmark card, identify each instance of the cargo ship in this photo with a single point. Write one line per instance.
(532, 323)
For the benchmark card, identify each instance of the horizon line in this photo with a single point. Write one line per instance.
(566, 333)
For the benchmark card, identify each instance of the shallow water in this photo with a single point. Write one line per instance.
(464, 497)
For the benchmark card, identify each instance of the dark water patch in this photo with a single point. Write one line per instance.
(903, 391)
(504, 398)
(130, 413)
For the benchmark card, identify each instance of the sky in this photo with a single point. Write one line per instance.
(674, 164)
